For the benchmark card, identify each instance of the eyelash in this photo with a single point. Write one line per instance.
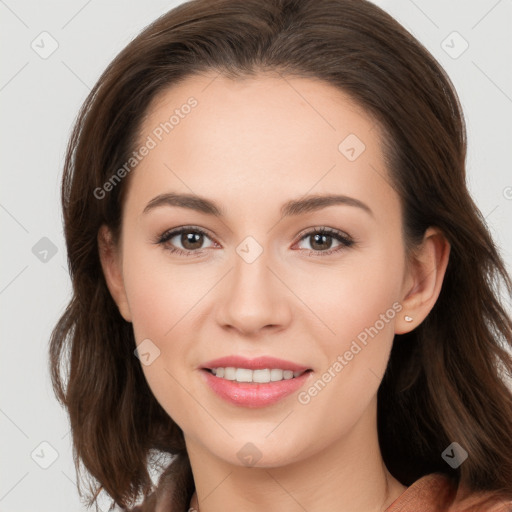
(344, 240)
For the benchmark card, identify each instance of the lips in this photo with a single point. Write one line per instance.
(252, 394)
(259, 363)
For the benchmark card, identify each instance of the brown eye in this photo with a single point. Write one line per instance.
(321, 241)
(185, 241)
(192, 240)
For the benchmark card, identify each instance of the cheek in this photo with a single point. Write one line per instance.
(161, 295)
(360, 306)
(355, 357)
(164, 301)
(162, 307)
(354, 296)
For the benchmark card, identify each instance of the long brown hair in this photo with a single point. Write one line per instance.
(445, 379)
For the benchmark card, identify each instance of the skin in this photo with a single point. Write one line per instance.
(250, 145)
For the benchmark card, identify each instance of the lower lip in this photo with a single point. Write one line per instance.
(247, 394)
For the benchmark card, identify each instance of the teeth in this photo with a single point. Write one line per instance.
(258, 376)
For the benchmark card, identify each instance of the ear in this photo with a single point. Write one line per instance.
(423, 280)
(110, 258)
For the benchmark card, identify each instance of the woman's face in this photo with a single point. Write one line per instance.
(262, 278)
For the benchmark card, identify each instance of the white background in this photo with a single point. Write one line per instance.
(39, 101)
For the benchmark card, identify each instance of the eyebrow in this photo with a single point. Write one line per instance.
(290, 208)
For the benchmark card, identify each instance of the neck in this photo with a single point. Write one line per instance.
(348, 475)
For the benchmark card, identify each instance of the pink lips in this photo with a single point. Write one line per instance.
(248, 394)
(258, 363)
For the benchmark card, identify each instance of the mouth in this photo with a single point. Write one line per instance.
(254, 382)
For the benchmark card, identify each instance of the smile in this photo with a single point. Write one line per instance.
(251, 393)
(258, 376)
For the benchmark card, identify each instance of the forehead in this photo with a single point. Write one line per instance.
(257, 139)
(254, 110)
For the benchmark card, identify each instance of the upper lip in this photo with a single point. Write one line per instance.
(257, 363)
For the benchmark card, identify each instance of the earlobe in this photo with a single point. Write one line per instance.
(424, 280)
(110, 263)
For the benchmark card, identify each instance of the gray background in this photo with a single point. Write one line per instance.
(40, 98)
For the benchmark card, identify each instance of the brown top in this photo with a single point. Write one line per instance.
(432, 493)
(437, 493)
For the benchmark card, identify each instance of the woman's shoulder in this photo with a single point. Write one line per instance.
(436, 492)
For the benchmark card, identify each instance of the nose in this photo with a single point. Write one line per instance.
(253, 300)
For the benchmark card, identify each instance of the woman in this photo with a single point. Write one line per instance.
(280, 278)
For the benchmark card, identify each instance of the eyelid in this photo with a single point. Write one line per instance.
(179, 229)
(171, 233)
(344, 239)
(323, 229)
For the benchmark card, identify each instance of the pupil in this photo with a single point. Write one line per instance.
(189, 239)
